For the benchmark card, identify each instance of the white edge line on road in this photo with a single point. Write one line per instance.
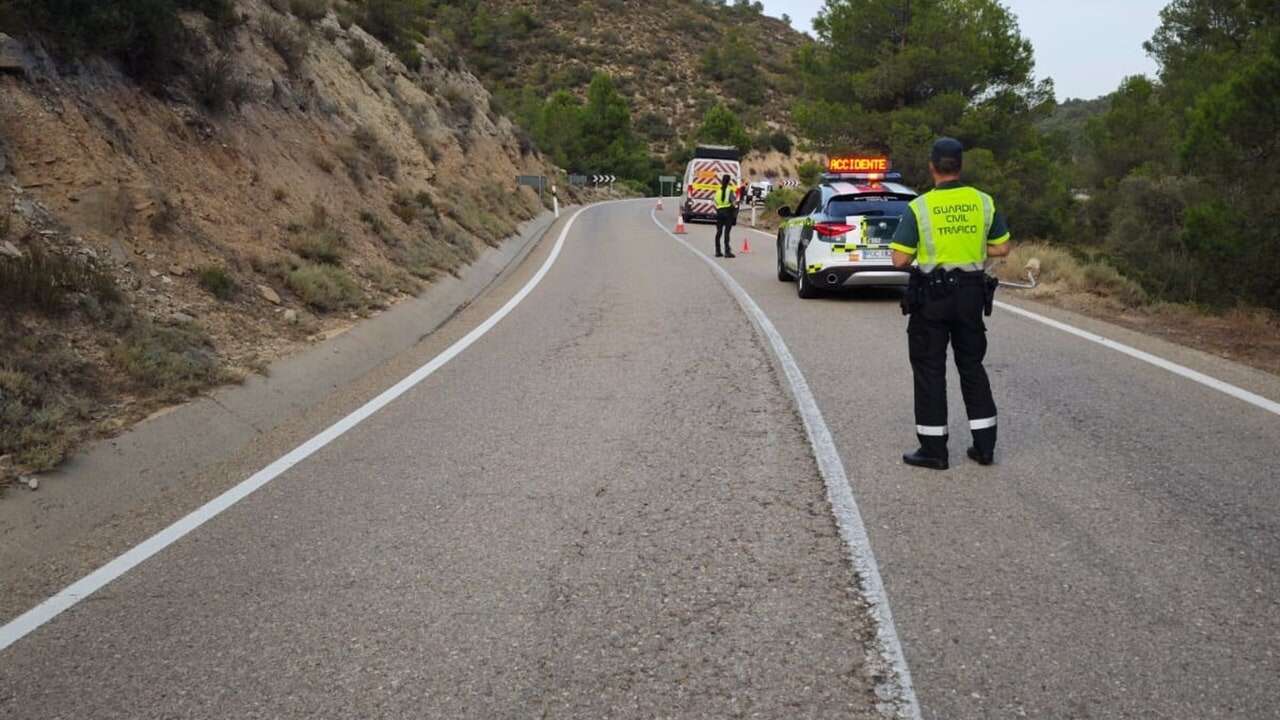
(1239, 393)
(1186, 372)
(839, 493)
(24, 624)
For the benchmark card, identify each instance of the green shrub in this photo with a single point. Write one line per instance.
(781, 142)
(215, 84)
(374, 222)
(325, 287)
(377, 153)
(309, 10)
(404, 207)
(361, 56)
(353, 159)
(789, 197)
(289, 42)
(177, 361)
(217, 282)
(808, 172)
(147, 36)
(324, 245)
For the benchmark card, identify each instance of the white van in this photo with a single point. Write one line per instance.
(702, 179)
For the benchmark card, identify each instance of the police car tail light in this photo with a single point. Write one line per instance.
(832, 230)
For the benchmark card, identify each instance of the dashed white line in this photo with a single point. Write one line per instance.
(29, 621)
(839, 494)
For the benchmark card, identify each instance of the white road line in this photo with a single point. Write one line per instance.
(24, 624)
(839, 494)
(1186, 372)
(1239, 393)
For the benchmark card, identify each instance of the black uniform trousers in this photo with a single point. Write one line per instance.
(725, 220)
(955, 318)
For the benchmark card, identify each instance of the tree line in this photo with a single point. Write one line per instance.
(1173, 179)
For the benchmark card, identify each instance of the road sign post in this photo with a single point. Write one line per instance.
(663, 182)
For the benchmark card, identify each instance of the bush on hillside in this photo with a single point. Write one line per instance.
(146, 36)
(325, 287)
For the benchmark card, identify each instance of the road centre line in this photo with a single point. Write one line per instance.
(839, 493)
(1239, 393)
(29, 621)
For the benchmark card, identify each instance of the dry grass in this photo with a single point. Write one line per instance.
(316, 239)
(47, 282)
(387, 278)
(376, 151)
(1063, 273)
(325, 287)
(290, 42)
(175, 362)
(44, 398)
(1247, 335)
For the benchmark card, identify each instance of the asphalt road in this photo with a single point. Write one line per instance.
(1122, 560)
(607, 507)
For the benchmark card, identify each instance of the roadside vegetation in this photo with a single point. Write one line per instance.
(60, 308)
(1167, 183)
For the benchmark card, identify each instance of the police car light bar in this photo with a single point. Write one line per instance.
(867, 177)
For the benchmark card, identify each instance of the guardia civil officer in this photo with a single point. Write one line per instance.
(726, 214)
(945, 240)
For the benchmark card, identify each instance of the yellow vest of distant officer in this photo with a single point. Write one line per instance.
(724, 196)
(954, 225)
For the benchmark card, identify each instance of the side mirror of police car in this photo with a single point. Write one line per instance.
(784, 211)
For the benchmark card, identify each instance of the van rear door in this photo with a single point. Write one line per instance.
(702, 179)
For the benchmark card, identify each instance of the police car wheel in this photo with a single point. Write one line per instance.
(804, 288)
(783, 275)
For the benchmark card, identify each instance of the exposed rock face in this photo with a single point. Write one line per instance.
(248, 182)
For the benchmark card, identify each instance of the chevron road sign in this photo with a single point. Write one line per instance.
(603, 179)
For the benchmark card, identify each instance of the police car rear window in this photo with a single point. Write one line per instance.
(869, 204)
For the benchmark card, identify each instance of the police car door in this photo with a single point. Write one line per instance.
(797, 226)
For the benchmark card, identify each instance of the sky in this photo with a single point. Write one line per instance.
(1086, 46)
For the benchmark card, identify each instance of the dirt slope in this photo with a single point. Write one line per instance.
(152, 245)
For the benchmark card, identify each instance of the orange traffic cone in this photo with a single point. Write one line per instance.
(680, 224)
(746, 245)
(659, 203)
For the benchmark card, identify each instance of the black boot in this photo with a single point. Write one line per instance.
(983, 450)
(921, 458)
(981, 458)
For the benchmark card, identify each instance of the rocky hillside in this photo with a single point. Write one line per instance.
(265, 177)
(672, 58)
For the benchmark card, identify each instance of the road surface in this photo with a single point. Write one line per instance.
(607, 506)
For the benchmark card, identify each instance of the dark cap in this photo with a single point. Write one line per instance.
(946, 149)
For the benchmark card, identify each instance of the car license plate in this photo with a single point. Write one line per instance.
(885, 254)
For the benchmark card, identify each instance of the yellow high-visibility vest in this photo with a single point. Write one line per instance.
(724, 197)
(954, 225)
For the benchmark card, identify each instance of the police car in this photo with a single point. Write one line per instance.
(839, 234)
